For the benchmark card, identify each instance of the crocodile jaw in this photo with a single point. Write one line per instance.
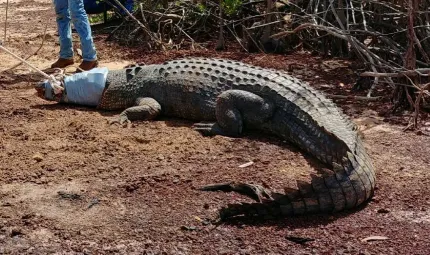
(45, 91)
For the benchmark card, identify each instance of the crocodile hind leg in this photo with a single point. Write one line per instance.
(146, 109)
(234, 108)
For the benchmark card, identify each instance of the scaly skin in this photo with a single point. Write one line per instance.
(237, 96)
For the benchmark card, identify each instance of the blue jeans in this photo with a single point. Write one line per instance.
(128, 4)
(73, 10)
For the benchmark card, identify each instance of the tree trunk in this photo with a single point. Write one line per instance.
(221, 42)
(404, 96)
(267, 32)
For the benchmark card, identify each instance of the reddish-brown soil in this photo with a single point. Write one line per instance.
(70, 183)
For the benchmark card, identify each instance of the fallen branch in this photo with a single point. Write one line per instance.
(416, 72)
(160, 16)
(329, 30)
(360, 98)
(265, 24)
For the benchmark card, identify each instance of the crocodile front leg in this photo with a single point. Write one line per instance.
(146, 109)
(234, 108)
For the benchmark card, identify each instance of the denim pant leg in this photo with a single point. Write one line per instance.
(64, 29)
(129, 5)
(82, 26)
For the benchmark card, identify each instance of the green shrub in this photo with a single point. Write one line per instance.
(231, 7)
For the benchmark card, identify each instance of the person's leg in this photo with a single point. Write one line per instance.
(129, 5)
(64, 32)
(82, 26)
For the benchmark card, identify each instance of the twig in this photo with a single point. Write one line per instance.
(358, 46)
(189, 37)
(237, 38)
(160, 16)
(265, 24)
(416, 86)
(361, 98)
(416, 72)
(143, 15)
(115, 29)
(329, 30)
(93, 202)
(231, 22)
(417, 104)
(375, 83)
(253, 40)
(139, 23)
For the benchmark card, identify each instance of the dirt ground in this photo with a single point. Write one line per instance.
(72, 184)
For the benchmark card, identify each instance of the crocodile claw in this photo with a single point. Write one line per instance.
(122, 120)
(256, 192)
(208, 129)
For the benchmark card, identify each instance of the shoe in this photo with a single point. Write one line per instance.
(62, 63)
(87, 65)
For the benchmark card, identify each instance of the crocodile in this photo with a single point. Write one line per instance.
(226, 97)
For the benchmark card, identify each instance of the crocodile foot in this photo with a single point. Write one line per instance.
(256, 192)
(122, 120)
(208, 129)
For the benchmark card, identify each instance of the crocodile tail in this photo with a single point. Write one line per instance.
(351, 184)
